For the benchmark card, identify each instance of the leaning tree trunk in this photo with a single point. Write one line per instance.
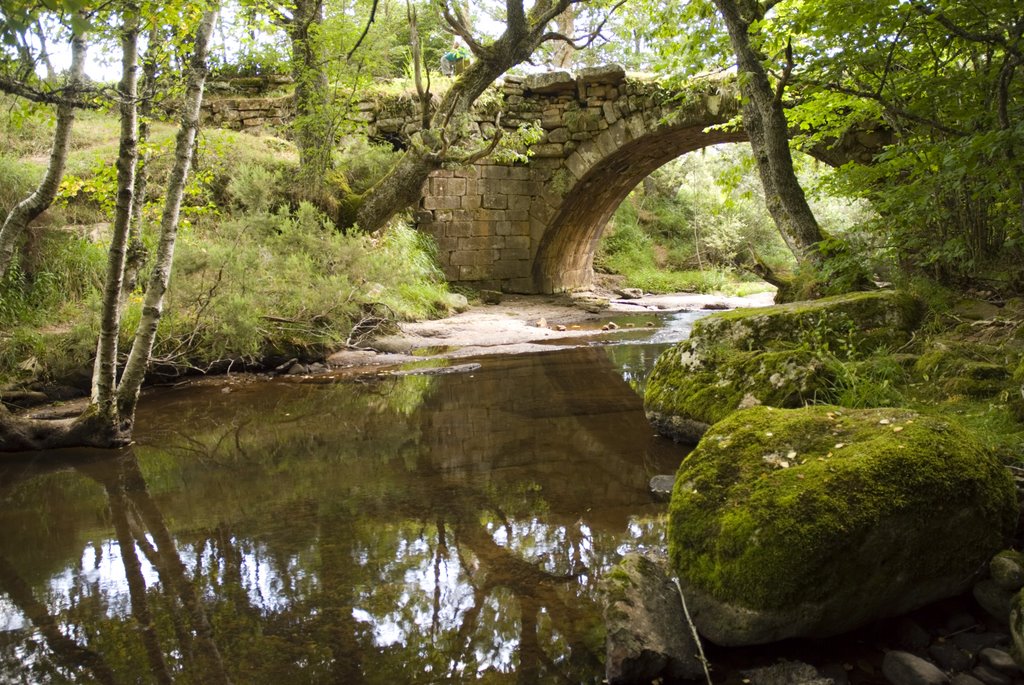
(26, 211)
(152, 309)
(400, 187)
(765, 124)
(105, 370)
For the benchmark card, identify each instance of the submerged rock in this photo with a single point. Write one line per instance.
(647, 633)
(811, 522)
(661, 487)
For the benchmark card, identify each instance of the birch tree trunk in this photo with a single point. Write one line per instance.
(105, 370)
(26, 211)
(145, 336)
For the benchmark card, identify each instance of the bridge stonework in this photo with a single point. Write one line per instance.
(533, 227)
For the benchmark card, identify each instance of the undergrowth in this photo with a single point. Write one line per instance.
(256, 275)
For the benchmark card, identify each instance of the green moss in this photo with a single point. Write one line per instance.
(844, 324)
(768, 508)
(707, 384)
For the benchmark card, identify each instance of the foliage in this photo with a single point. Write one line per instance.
(704, 213)
(256, 277)
(942, 75)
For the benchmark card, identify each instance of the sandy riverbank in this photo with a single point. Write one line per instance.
(523, 323)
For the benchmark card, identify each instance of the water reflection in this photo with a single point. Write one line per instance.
(413, 529)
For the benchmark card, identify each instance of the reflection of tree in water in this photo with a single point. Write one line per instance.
(304, 551)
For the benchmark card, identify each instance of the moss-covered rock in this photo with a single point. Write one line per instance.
(1017, 392)
(972, 369)
(810, 522)
(772, 355)
(857, 322)
(693, 386)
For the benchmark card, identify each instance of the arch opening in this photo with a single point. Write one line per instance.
(565, 255)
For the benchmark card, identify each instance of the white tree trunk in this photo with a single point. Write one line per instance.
(105, 370)
(145, 336)
(26, 211)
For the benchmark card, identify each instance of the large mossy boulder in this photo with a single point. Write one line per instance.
(813, 521)
(773, 355)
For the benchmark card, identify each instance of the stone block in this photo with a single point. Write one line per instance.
(510, 188)
(492, 201)
(548, 150)
(471, 202)
(558, 135)
(550, 82)
(478, 244)
(610, 113)
(457, 229)
(518, 242)
(521, 173)
(441, 202)
(503, 227)
(607, 73)
(472, 272)
(472, 258)
(440, 185)
(446, 245)
(519, 268)
(520, 202)
(494, 171)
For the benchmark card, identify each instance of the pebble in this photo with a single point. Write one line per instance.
(998, 660)
(903, 668)
(965, 679)
(990, 676)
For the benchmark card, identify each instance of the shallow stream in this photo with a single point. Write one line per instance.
(415, 528)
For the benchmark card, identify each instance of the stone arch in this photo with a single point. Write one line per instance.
(605, 170)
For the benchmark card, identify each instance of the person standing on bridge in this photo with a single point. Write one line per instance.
(455, 60)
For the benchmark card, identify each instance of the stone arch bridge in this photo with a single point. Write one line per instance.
(533, 227)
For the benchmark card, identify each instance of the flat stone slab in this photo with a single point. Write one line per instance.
(550, 82)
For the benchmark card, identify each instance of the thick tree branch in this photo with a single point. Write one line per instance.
(457, 23)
